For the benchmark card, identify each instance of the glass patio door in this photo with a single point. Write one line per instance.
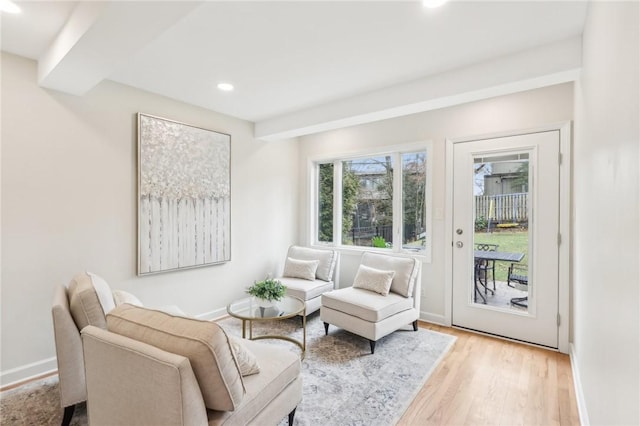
(505, 236)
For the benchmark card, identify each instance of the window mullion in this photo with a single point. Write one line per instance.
(337, 203)
(397, 202)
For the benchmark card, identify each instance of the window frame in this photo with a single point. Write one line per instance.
(395, 151)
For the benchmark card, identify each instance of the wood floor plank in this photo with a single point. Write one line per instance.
(489, 381)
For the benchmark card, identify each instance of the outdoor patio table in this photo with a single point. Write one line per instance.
(498, 256)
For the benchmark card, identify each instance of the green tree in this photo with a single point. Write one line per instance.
(384, 204)
(413, 197)
(522, 179)
(325, 203)
(350, 185)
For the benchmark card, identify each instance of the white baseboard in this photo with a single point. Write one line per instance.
(212, 315)
(577, 384)
(28, 372)
(433, 318)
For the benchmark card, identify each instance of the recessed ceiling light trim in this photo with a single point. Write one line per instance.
(9, 7)
(225, 87)
(433, 3)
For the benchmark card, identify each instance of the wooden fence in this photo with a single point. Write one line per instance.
(508, 208)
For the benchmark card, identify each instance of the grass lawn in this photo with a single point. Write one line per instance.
(510, 241)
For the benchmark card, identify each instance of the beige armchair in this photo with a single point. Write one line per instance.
(308, 273)
(84, 302)
(152, 367)
(385, 297)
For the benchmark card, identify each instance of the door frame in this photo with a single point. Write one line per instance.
(565, 237)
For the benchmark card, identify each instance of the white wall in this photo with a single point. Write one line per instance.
(606, 225)
(513, 112)
(69, 204)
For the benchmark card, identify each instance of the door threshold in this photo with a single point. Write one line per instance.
(510, 339)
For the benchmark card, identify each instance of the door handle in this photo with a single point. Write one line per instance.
(459, 244)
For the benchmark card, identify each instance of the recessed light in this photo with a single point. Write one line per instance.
(225, 87)
(9, 7)
(433, 3)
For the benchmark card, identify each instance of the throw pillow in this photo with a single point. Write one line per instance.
(296, 268)
(246, 359)
(103, 291)
(373, 279)
(121, 297)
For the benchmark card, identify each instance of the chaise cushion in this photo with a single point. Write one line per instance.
(204, 343)
(405, 268)
(296, 268)
(326, 260)
(90, 299)
(305, 290)
(366, 304)
(279, 368)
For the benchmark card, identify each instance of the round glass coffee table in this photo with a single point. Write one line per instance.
(248, 310)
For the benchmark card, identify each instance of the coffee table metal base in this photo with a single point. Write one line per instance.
(302, 344)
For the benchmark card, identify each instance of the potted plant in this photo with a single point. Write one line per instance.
(267, 291)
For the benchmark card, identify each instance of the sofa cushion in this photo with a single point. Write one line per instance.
(90, 299)
(366, 304)
(326, 260)
(305, 290)
(296, 268)
(279, 368)
(406, 270)
(373, 279)
(204, 343)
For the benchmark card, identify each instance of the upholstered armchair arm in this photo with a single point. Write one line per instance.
(130, 382)
(68, 351)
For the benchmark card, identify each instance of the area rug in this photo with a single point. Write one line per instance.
(343, 384)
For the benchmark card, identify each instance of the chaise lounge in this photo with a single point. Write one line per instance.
(108, 361)
(151, 367)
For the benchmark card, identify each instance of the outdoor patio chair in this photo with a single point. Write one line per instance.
(517, 274)
(484, 267)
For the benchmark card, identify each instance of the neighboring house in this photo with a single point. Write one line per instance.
(505, 178)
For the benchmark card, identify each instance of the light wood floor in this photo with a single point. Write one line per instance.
(488, 381)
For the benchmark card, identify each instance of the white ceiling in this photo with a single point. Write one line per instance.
(282, 57)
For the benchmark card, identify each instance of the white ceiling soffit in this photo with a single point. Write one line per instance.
(100, 36)
(309, 66)
(532, 69)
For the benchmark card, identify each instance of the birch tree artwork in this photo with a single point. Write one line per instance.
(184, 196)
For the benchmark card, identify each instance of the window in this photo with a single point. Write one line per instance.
(378, 200)
(367, 196)
(325, 202)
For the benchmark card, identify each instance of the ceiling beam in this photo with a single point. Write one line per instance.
(98, 36)
(539, 67)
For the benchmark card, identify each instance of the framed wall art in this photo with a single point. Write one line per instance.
(184, 211)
